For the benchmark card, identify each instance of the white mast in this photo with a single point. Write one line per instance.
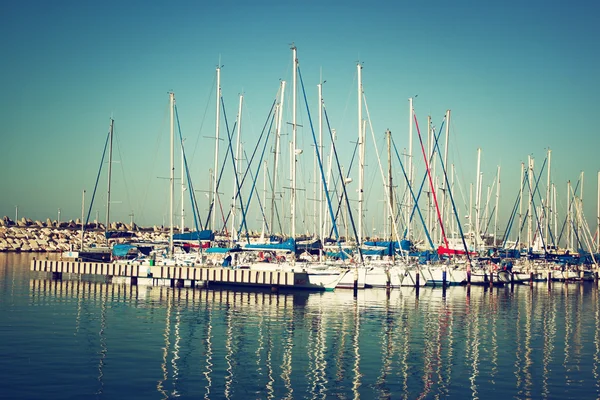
(547, 210)
(182, 227)
(112, 122)
(444, 188)
(279, 111)
(477, 197)
(213, 202)
(235, 171)
(496, 207)
(410, 165)
(172, 172)
(294, 128)
(82, 217)
(521, 204)
(530, 207)
(598, 217)
(569, 217)
(361, 156)
(320, 90)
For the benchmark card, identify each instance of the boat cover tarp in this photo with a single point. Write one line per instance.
(121, 250)
(206, 234)
(288, 245)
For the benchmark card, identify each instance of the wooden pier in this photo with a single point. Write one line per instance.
(174, 276)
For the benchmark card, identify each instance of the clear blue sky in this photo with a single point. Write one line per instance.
(519, 77)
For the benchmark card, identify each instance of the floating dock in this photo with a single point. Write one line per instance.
(174, 276)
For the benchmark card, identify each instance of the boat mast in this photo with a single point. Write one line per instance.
(361, 157)
(182, 227)
(321, 205)
(388, 134)
(477, 199)
(444, 188)
(496, 207)
(530, 207)
(569, 217)
(294, 131)
(235, 171)
(82, 217)
(547, 213)
(214, 191)
(410, 166)
(598, 217)
(279, 111)
(110, 146)
(521, 204)
(172, 172)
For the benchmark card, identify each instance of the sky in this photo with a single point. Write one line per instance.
(519, 78)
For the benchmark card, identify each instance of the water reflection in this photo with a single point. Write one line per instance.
(462, 342)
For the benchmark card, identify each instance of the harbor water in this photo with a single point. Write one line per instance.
(72, 339)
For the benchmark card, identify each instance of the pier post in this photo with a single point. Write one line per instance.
(134, 281)
(57, 276)
(491, 278)
(468, 277)
(417, 278)
(549, 277)
(179, 283)
(444, 277)
(530, 278)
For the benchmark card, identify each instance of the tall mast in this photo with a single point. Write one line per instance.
(547, 210)
(530, 207)
(388, 134)
(521, 204)
(598, 217)
(477, 197)
(361, 156)
(444, 188)
(430, 192)
(410, 165)
(82, 218)
(569, 217)
(320, 90)
(172, 172)
(213, 202)
(236, 162)
(496, 207)
(112, 123)
(279, 111)
(182, 226)
(294, 131)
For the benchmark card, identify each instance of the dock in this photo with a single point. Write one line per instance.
(173, 276)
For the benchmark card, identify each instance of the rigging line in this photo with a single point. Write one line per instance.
(244, 222)
(87, 220)
(262, 210)
(412, 214)
(321, 163)
(431, 186)
(275, 203)
(513, 215)
(123, 170)
(413, 196)
(335, 183)
(345, 194)
(449, 188)
(209, 100)
(390, 208)
(194, 203)
(237, 181)
(269, 118)
(568, 208)
(537, 181)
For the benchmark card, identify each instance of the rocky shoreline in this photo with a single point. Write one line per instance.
(26, 235)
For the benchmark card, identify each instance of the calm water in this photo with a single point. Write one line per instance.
(73, 340)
